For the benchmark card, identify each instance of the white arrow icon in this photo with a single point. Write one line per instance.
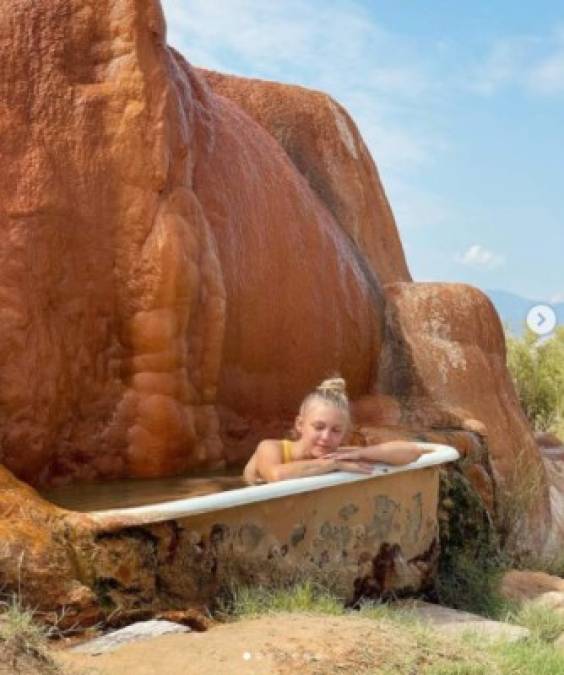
(541, 319)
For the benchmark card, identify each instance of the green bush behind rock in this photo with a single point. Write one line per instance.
(537, 369)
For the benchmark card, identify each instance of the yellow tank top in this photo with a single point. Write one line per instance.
(286, 451)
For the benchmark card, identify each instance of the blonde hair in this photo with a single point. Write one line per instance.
(333, 391)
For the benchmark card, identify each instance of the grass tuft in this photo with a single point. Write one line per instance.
(545, 624)
(23, 641)
(303, 597)
(529, 657)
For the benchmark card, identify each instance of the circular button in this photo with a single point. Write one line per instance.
(541, 319)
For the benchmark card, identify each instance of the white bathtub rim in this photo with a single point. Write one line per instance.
(190, 506)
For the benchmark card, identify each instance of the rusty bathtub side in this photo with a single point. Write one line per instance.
(359, 536)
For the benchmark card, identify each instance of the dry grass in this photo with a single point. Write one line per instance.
(518, 498)
(400, 643)
(23, 642)
(545, 624)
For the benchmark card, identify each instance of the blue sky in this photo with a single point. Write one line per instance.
(461, 105)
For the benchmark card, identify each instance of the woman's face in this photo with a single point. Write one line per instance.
(322, 428)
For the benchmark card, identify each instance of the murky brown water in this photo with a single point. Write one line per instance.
(99, 496)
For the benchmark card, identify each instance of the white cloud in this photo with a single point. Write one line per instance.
(534, 63)
(504, 64)
(479, 256)
(547, 77)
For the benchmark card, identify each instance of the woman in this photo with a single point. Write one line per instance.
(320, 427)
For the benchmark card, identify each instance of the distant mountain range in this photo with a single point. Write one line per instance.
(513, 309)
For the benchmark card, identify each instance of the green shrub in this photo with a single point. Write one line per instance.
(537, 369)
(471, 562)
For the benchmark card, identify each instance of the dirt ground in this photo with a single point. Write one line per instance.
(282, 644)
(20, 663)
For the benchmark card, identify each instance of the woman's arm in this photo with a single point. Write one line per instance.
(390, 452)
(298, 469)
(267, 464)
(315, 467)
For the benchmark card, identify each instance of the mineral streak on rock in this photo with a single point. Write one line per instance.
(276, 238)
(390, 574)
(157, 244)
(110, 354)
(325, 146)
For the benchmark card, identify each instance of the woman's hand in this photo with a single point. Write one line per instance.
(334, 464)
(391, 452)
(351, 453)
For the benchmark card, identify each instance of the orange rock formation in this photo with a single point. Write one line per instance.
(186, 253)
(164, 258)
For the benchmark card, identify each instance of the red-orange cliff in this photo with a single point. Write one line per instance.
(185, 254)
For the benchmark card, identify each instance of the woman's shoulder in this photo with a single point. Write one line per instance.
(269, 444)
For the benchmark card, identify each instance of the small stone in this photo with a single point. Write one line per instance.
(450, 621)
(523, 585)
(136, 632)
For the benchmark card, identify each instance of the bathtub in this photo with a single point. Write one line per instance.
(358, 535)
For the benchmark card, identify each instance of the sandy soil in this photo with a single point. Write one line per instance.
(16, 662)
(285, 643)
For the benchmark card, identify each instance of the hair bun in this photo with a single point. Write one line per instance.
(334, 385)
(333, 391)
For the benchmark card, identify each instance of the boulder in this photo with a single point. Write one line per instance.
(554, 467)
(323, 143)
(156, 253)
(449, 371)
(553, 600)
(38, 561)
(109, 359)
(276, 237)
(135, 632)
(457, 623)
(522, 585)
